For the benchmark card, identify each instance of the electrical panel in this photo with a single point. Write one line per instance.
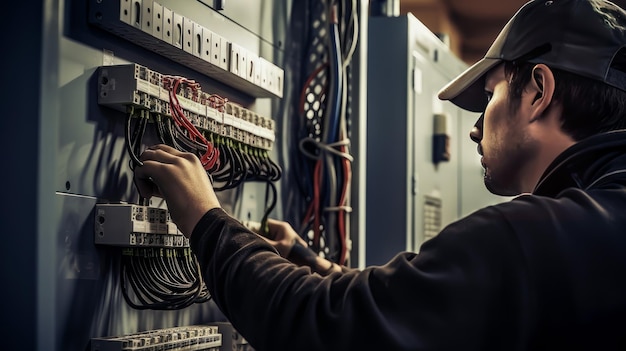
(110, 66)
(180, 38)
(421, 175)
(122, 69)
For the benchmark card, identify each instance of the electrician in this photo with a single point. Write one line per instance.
(544, 271)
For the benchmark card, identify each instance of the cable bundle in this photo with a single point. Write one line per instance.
(241, 163)
(325, 137)
(209, 156)
(232, 150)
(231, 155)
(161, 279)
(134, 136)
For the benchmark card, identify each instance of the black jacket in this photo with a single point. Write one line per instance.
(545, 271)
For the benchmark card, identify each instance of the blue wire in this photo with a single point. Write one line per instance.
(336, 85)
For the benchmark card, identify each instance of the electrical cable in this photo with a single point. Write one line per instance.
(209, 157)
(161, 279)
(331, 168)
(269, 205)
(167, 278)
(344, 200)
(134, 159)
(140, 131)
(355, 34)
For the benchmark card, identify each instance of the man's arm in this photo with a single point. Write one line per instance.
(290, 245)
(461, 288)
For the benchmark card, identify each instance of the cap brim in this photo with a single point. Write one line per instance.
(467, 90)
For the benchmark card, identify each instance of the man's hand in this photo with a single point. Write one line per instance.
(179, 178)
(283, 238)
(280, 235)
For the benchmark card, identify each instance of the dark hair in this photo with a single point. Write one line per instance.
(589, 106)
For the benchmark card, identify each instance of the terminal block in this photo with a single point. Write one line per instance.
(231, 339)
(190, 338)
(132, 85)
(130, 225)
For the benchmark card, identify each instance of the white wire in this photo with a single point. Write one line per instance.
(330, 148)
(355, 35)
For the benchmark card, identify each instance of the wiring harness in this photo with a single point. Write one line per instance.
(323, 166)
(232, 143)
(161, 278)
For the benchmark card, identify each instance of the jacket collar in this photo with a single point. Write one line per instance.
(585, 164)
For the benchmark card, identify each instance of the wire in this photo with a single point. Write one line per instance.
(209, 155)
(269, 205)
(161, 278)
(130, 142)
(355, 34)
(168, 278)
(326, 149)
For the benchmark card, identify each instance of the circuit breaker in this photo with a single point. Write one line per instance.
(182, 39)
(131, 225)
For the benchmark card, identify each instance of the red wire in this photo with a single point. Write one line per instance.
(210, 158)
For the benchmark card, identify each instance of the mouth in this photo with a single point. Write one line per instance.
(479, 149)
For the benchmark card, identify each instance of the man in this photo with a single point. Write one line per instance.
(545, 271)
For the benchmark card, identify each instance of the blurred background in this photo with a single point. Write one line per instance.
(470, 26)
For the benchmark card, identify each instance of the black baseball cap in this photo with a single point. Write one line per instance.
(584, 37)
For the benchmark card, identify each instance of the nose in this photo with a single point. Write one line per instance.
(476, 134)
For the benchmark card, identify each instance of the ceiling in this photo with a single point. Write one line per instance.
(471, 25)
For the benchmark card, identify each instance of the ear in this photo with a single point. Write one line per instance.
(540, 91)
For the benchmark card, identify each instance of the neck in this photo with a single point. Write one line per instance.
(552, 142)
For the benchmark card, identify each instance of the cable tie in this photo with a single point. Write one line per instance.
(322, 147)
(347, 209)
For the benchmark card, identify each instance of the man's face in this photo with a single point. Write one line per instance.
(502, 137)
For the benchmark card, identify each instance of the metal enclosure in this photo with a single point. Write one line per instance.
(410, 197)
(65, 153)
(67, 290)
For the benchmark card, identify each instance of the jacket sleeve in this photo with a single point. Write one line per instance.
(457, 293)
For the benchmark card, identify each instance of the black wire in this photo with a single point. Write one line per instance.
(272, 204)
(162, 282)
(238, 173)
(225, 174)
(139, 134)
(161, 130)
(170, 133)
(129, 143)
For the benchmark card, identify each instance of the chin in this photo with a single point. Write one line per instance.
(498, 188)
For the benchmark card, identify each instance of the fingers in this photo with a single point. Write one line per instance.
(178, 178)
(148, 175)
(301, 241)
(156, 161)
(163, 154)
(280, 230)
(146, 187)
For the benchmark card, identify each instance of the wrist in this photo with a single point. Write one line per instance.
(188, 223)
